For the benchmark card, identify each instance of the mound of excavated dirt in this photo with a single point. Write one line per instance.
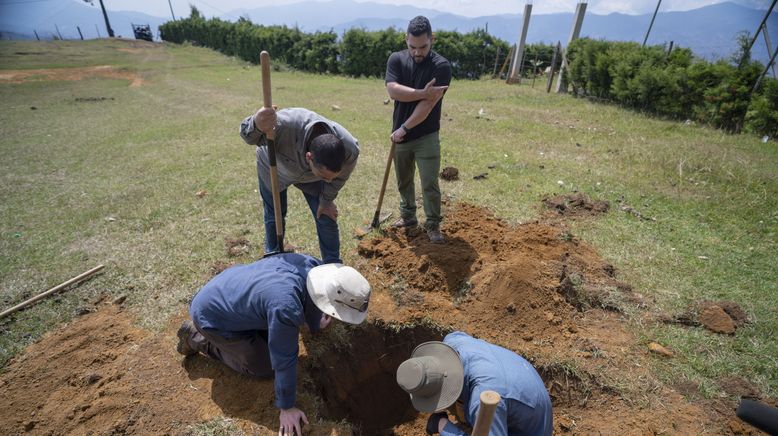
(539, 291)
(535, 289)
(576, 204)
(101, 375)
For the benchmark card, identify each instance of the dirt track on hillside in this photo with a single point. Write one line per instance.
(535, 289)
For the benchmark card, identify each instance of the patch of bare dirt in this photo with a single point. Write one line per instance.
(739, 387)
(576, 204)
(101, 375)
(237, 246)
(70, 74)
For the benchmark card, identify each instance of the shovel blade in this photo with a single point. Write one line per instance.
(361, 232)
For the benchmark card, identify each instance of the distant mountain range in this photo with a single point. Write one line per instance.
(709, 31)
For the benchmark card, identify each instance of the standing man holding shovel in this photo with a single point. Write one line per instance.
(417, 79)
(314, 154)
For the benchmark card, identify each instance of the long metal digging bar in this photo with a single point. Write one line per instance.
(264, 58)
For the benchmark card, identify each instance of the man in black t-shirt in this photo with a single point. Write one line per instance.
(417, 79)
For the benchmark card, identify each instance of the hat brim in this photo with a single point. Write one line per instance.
(453, 381)
(318, 283)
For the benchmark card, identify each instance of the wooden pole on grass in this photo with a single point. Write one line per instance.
(489, 401)
(50, 291)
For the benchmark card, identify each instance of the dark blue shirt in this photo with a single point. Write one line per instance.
(402, 69)
(270, 295)
(525, 406)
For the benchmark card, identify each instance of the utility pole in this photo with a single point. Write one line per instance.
(518, 55)
(580, 11)
(652, 22)
(769, 47)
(36, 35)
(98, 32)
(57, 27)
(79, 33)
(759, 79)
(758, 29)
(107, 23)
(171, 10)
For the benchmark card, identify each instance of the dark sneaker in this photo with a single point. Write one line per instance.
(402, 222)
(435, 236)
(183, 339)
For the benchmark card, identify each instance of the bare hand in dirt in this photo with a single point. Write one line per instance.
(290, 422)
(329, 209)
(432, 92)
(325, 321)
(398, 135)
(265, 119)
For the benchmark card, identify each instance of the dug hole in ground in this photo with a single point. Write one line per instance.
(533, 288)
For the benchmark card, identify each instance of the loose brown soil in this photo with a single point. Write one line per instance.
(535, 289)
(449, 174)
(576, 204)
(69, 74)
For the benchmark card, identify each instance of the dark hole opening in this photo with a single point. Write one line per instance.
(353, 368)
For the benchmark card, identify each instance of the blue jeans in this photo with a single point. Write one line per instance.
(326, 227)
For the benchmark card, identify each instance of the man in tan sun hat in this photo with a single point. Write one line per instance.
(249, 317)
(457, 370)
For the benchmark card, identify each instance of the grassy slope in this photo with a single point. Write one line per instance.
(114, 182)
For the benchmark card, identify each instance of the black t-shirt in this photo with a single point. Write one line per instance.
(402, 69)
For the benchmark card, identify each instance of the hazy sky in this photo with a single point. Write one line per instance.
(469, 8)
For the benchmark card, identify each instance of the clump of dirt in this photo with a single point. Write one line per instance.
(237, 246)
(723, 317)
(576, 204)
(449, 174)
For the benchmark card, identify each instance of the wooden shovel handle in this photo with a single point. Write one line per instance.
(267, 95)
(489, 402)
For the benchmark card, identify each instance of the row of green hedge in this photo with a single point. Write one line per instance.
(675, 84)
(358, 53)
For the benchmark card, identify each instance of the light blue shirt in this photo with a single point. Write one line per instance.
(525, 406)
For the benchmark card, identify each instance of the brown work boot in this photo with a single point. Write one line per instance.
(433, 232)
(402, 222)
(183, 346)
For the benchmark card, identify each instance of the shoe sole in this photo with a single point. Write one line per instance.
(183, 347)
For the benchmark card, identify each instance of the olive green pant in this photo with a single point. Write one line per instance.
(424, 152)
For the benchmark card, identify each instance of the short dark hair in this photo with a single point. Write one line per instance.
(328, 150)
(419, 26)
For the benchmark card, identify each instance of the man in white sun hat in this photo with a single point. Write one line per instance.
(249, 318)
(458, 370)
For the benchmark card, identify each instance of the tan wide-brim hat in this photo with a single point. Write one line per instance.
(339, 291)
(433, 376)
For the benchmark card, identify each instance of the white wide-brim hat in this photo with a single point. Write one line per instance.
(339, 291)
(433, 376)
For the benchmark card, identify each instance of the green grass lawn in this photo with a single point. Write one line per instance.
(87, 181)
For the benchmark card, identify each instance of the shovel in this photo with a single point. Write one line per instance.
(271, 151)
(377, 218)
